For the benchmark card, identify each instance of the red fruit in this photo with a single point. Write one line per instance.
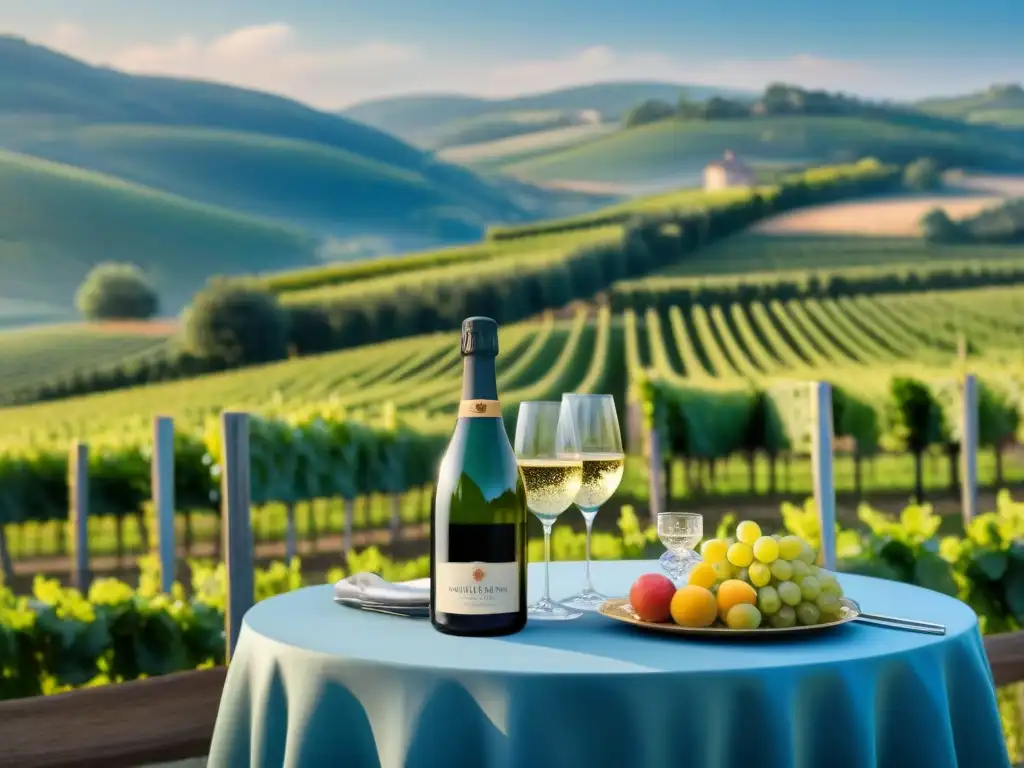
(651, 597)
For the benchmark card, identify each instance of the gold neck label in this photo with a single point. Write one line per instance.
(479, 409)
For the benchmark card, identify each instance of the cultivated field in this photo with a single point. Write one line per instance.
(872, 218)
(588, 351)
(520, 148)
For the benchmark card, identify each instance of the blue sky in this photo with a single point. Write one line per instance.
(334, 52)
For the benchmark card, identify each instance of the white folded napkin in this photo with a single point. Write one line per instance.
(371, 588)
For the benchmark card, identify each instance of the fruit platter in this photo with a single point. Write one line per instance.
(754, 584)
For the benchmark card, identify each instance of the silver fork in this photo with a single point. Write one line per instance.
(911, 625)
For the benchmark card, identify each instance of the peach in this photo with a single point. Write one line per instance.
(651, 597)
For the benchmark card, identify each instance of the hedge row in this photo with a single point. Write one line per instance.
(663, 293)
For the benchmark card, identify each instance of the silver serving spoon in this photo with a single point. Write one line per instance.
(911, 625)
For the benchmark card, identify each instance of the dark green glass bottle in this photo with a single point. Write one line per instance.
(478, 521)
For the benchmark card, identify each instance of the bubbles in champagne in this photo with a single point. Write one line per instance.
(602, 473)
(551, 484)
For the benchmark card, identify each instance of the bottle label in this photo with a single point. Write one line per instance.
(476, 588)
(479, 409)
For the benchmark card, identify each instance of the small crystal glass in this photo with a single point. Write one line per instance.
(680, 532)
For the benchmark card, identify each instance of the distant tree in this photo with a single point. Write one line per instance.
(922, 174)
(717, 108)
(687, 109)
(238, 323)
(116, 291)
(937, 227)
(650, 111)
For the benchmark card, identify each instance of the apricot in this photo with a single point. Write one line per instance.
(651, 597)
(694, 606)
(732, 593)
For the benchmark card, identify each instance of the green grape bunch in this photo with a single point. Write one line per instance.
(791, 589)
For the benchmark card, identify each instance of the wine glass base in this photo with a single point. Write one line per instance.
(587, 600)
(678, 567)
(548, 610)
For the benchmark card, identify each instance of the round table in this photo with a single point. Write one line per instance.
(315, 684)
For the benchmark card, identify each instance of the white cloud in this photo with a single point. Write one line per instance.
(271, 57)
(64, 35)
(274, 57)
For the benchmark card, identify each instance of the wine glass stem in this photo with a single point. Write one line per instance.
(547, 561)
(588, 518)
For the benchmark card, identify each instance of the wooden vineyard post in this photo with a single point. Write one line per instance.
(969, 449)
(396, 516)
(78, 487)
(6, 564)
(290, 546)
(348, 511)
(654, 468)
(163, 498)
(236, 514)
(823, 470)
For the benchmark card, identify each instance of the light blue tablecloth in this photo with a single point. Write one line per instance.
(313, 684)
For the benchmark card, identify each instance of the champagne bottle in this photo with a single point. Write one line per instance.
(478, 521)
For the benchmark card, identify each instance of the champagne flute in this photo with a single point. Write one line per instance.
(597, 426)
(548, 453)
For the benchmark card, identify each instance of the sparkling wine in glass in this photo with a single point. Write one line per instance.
(548, 453)
(597, 428)
(680, 532)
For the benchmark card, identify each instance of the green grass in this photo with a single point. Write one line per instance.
(35, 355)
(57, 221)
(675, 148)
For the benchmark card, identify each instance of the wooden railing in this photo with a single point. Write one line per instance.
(114, 726)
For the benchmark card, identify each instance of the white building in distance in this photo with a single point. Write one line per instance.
(728, 172)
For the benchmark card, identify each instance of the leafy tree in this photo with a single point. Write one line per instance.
(923, 174)
(237, 323)
(650, 111)
(717, 108)
(916, 421)
(937, 227)
(116, 291)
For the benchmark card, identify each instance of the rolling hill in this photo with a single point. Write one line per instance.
(236, 148)
(998, 104)
(57, 221)
(438, 120)
(672, 152)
